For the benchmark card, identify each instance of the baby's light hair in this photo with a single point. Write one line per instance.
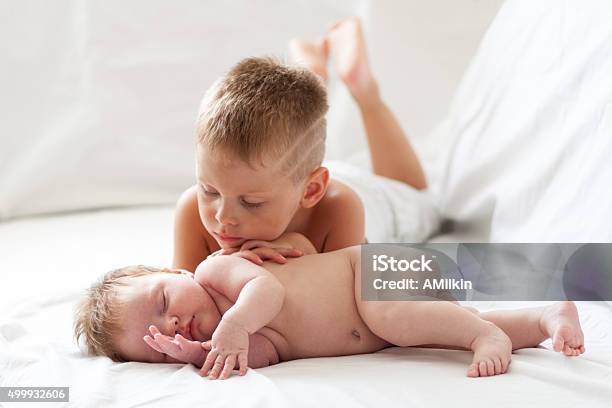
(97, 315)
(262, 109)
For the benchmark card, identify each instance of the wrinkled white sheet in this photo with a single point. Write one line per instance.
(114, 90)
(532, 121)
(47, 261)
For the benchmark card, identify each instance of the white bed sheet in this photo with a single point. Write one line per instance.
(47, 261)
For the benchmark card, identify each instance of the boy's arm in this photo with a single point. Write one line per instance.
(294, 240)
(190, 246)
(258, 297)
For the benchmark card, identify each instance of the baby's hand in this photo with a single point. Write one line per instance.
(177, 347)
(229, 344)
(258, 251)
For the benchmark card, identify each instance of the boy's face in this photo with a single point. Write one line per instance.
(238, 203)
(174, 302)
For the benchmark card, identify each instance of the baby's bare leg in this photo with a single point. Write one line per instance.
(390, 150)
(531, 326)
(413, 323)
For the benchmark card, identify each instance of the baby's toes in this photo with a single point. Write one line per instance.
(558, 342)
(498, 366)
(482, 368)
(472, 370)
(505, 364)
(490, 367)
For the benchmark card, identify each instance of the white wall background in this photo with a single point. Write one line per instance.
(98, 99)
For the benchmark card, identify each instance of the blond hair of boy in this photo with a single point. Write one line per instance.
(260, 143)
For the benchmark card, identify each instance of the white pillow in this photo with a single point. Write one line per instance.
(533, 120)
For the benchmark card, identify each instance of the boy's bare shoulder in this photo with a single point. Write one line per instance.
(192, 242)
(342, 210)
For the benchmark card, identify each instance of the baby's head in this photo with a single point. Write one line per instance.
(115, 314)
(261, 140)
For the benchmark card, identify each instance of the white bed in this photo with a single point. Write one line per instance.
(538, 62)
(36, 347)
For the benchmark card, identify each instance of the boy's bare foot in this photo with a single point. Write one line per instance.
(312, 55)
(561, 323)
(492, 353)
(347, 47)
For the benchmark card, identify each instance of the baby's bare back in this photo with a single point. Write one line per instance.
(319, 316)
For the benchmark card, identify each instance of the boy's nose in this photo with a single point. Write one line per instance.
(224, 217)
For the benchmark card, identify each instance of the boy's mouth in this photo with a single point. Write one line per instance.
(227, 238)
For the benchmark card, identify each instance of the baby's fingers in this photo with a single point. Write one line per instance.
(151, 343)
(243, 362)
(217, 367)
(210, 360)
(230, 362)
(182, 342)
(167, 343)
(154, 330)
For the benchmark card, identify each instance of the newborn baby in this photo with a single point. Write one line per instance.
(233, 313)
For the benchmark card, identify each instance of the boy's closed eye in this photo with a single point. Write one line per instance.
(250, 204)
(244, 201)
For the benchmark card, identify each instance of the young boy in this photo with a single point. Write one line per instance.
(260, 145)
(234, 313)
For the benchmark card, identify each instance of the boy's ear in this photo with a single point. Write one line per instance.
(316, 186)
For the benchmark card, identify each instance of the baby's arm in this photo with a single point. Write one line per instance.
(258, 297)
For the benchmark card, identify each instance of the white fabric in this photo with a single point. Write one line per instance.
(99, 98)
(533, 123)
(394, 211)
(47, 261)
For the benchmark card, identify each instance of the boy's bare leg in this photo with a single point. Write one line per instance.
(391, 153)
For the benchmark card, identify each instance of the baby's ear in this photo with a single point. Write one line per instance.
(316, 186)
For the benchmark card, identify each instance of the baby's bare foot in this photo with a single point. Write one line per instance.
(348, 51)
(311, 55)
(492, 353)
(561, 323)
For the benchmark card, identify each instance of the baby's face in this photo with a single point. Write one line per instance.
(238, 203)
(173, 302)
